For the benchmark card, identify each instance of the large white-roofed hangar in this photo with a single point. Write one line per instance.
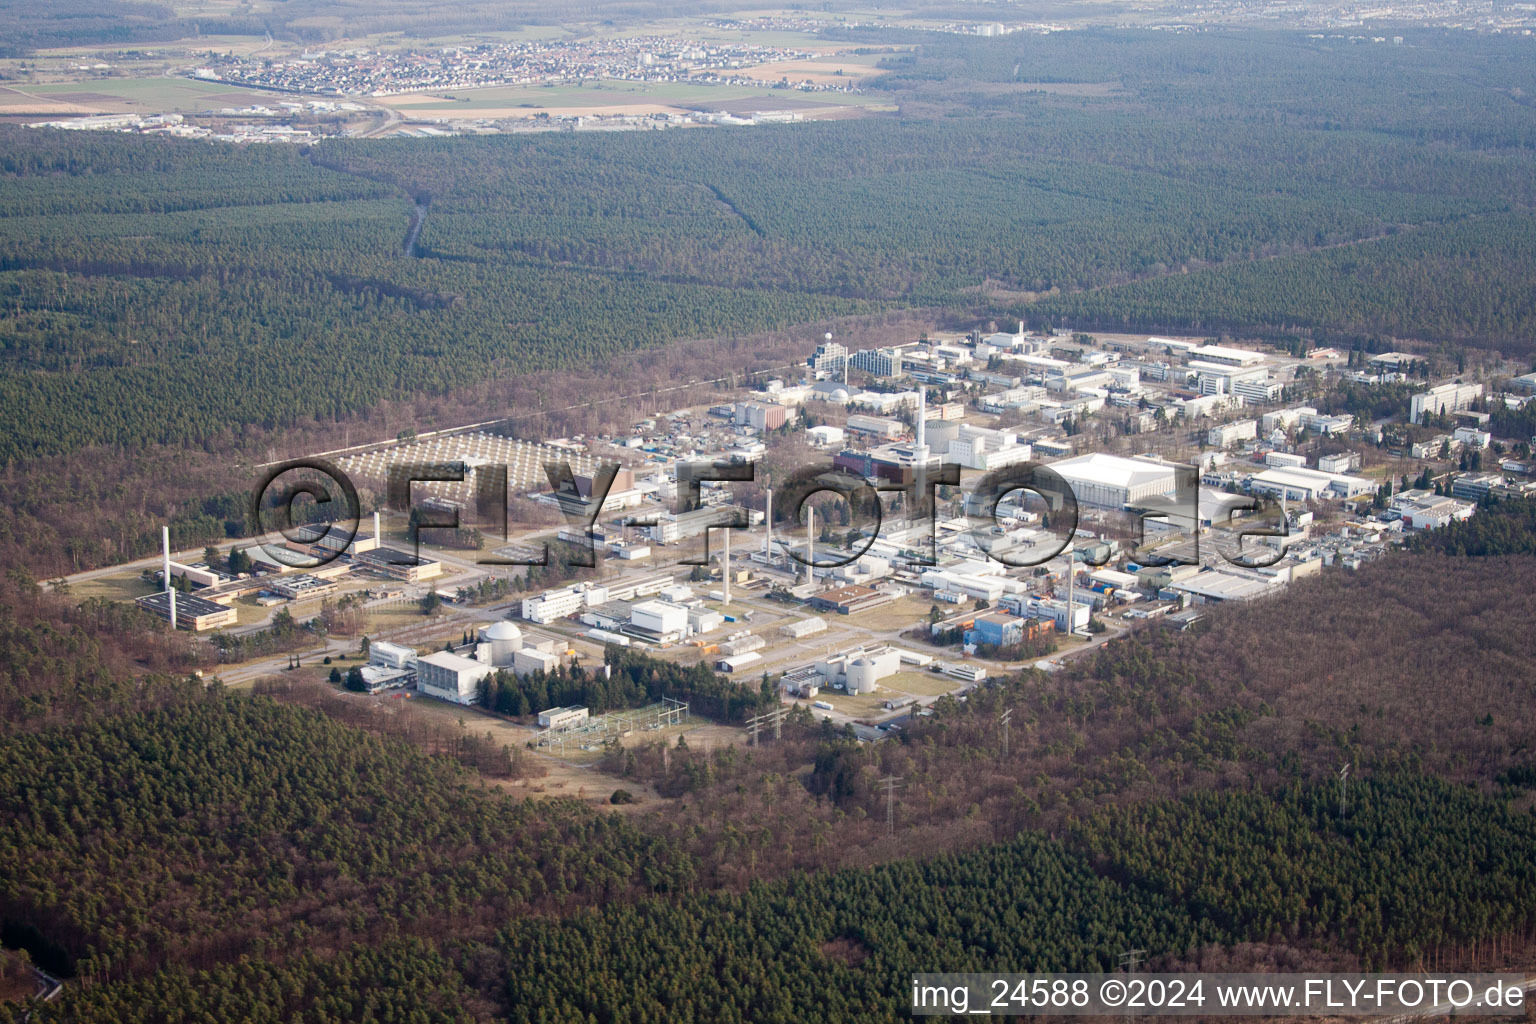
(1110, 481)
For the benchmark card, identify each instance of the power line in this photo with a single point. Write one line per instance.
(774, 718)
(1007, 717)
(890, 783)
(1128, 960)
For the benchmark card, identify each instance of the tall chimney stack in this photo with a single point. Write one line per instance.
(922, 424)
(165, 554)
(768, 521)
(810, 542)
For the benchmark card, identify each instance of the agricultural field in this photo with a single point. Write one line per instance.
(127, 96)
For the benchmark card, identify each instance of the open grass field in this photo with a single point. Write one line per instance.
(917, 683)
(900, 614)
(865, 705)
(126, 586)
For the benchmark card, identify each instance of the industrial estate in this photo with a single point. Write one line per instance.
(1183, 472)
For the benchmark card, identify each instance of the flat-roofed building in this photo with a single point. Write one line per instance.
(399, 565)
(301, 588)
(1226, 356)
(451, 677)
(1110, 481)
(192, 612)
(1225, 434)
(882, 362)
(1216, 586)
(848, 600)
(1453, 397)
(388, 655)
(874, 426)
(1295, 483)
(557, 719)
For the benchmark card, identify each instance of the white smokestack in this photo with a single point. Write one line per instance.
(725, 566)
(810, 542)
(768, 520)
(165, 551)
(378, 538)
(922, 424)
(173, 607)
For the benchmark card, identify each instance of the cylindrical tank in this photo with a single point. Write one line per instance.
(861, 676)
(505, 639)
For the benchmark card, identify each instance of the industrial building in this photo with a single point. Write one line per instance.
(398, 565)
(877, 427)
(670, 527)
(660, 621)
(803, 628)
(760, 416)
(1215, 586)
(303, 587)
(737, 662)
(848, 600)
(859, 671)
(451, 677)
(979, 448)
(194, 613)
(388, 655)
(557, 719)
(999, 629)
(1110, 481)
(554, 604)
(1224, 356)
(1426, 510)
(1298, 484)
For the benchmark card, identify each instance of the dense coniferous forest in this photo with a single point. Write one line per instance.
(1500, 528)
(232, 825)
(634, 680)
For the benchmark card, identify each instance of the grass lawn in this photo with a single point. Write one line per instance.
(902, 613)
(125, 587)
(916, 683)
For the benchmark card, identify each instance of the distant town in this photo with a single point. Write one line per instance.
(653, 59)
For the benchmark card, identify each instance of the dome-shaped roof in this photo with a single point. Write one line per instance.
(840, 395)
(862, 663)
(500, 631)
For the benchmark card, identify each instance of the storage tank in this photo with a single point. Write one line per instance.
(862, 676)
(505, 640)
